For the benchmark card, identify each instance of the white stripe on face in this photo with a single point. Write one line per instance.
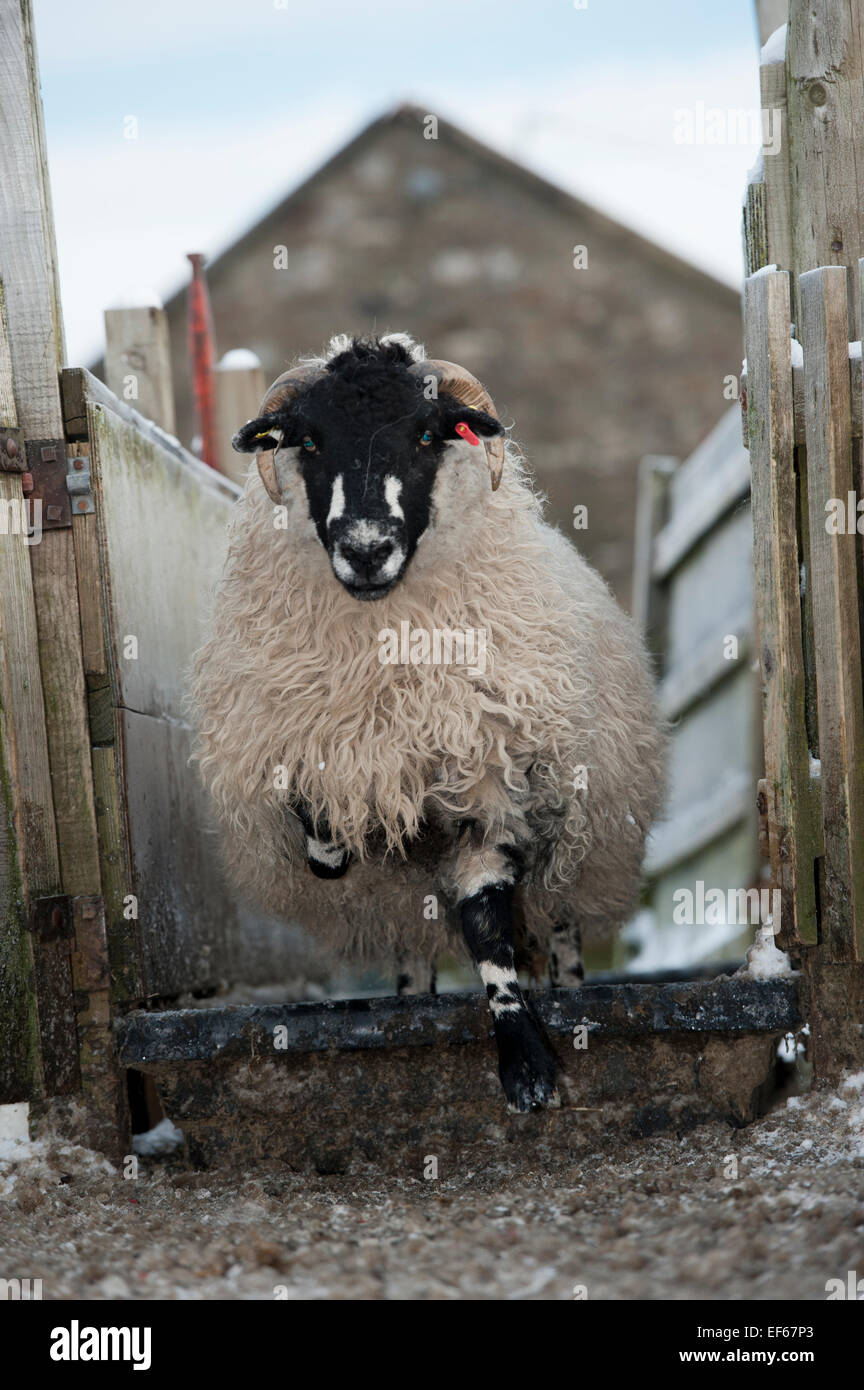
(337, 500)
(392, 491)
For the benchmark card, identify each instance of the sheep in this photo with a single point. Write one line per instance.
(396, 804)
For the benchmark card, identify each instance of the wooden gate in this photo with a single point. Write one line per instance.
(802, 398)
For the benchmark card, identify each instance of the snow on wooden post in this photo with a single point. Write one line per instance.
(240, 387)
(138, 358)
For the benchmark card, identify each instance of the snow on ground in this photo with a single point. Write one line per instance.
(769, 1212)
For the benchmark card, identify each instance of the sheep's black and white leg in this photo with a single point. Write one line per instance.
(325, 857)
(486, 879)
(565, 956)
(415, 976)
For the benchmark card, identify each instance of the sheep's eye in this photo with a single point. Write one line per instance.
(309, 444)
(426, 437)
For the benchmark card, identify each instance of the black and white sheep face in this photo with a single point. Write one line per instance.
(368, 445)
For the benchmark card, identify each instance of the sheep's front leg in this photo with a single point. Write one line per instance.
(486, 880)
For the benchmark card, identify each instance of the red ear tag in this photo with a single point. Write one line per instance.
(467, 434)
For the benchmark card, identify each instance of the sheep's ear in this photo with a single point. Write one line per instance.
(480, 421)
(256, 435)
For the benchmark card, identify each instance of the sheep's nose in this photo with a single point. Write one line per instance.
(367, 559)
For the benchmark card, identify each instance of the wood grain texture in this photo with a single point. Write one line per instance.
(825, 98)
(162, 529)
(239, 392)
(138, 359)
(778, 193)
(192, 933)
(28, 257)
(778, 609)
(833, 582)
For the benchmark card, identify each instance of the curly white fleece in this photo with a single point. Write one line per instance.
(395, 755)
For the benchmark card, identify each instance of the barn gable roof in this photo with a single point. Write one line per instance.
(535, 185)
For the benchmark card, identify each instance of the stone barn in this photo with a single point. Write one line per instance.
(598, 344)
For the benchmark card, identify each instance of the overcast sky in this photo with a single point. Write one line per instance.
(237, 100)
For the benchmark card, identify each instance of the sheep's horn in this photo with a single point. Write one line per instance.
(283, 390)
(458, 382)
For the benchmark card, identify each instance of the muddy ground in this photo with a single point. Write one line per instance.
(771, 1211)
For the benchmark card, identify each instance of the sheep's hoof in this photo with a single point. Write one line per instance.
(525, 1065)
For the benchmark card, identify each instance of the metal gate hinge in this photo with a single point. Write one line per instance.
(78, 485)
(46, 462)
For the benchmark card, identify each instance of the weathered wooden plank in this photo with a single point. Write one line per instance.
(825, 95)
(728, 1005)
(679, 838)
(776, 568)
(162, 530)
(708, 665)
(81, 389)
(20, 1059)
(121, 909)
(192, 933)
(28, 257)
(29, 864)
(710, 590)
(52, 930)
(239, 392)
(755, 227)
(138, 362)
(833, 584)
(778, 214)
(702, 509)
(28, 269)
(64, 691)
(86, 545)
(652, 492)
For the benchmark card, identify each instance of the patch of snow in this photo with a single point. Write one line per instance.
(764, 961)
(238, 359)
(764, 270)
(774, 48)
(14, 1121)
(855, 348)
(815, 768)
(45, 1162)
(796, 352)
(162, 1139)
(855, 1082)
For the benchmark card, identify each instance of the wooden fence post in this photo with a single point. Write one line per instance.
(834, 589)
(35, 342)
(770, 419)
(806, 215)
(240, 387)
(138, 361)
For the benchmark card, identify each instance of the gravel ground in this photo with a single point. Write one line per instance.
(770, 1212)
